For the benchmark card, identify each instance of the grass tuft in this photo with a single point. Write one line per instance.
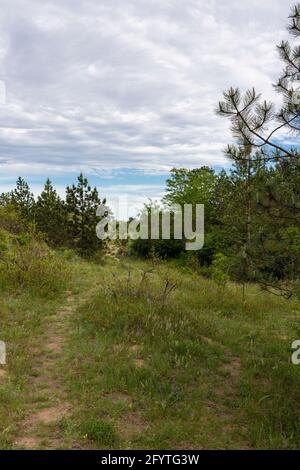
(99, 431)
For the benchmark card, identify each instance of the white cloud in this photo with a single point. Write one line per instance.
(133, 84)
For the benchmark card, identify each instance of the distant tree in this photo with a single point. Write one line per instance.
(23, 199)
(50, 215)
(10, 219)
(5, 199)
(155, 244)
(196, 186)
(81, 206)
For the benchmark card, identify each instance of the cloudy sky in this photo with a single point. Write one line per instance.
(124, 90)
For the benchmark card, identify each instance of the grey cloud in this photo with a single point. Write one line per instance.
(132, 84)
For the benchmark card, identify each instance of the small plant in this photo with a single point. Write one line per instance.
(99, 431)
(170, 284)
(132, 287)
(145, 287)
(219, 269)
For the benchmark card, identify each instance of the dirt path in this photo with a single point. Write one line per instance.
(47, 404)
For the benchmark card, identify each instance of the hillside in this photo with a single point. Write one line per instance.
(131, 354)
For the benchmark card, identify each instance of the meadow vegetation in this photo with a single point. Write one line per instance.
(140, 344)
(202, 367)
(156, 357)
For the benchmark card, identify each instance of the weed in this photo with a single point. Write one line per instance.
(99, 431)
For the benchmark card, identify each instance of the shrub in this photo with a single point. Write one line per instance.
(27, 263)
(219, 269)
(67, 253)
(10, 219)
(163, 248)
(153, 285)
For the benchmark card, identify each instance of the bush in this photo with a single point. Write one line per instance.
(27, 263)
(165, 249)
(219, 269)
(10, 220)
(67, 254)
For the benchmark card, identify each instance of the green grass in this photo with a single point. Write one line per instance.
(198, 368)
(24, 311)
(22, 326)
(156, 357)
(99, 431)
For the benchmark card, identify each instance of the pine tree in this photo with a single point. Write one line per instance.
(50, 215)
(6, 199)
(251, 119)
(279, 212)
(81, 204)
(23, 199)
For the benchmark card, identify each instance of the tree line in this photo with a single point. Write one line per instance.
(68, 223)
(252, 212)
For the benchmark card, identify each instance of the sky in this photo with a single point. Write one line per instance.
(125, 90)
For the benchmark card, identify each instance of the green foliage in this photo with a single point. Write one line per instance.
(99, 431)
(10, 219)
(163, 376)
(267, 171)
(50, 215)
(163, 248)
(27, 263)
(194, 186)
(5, 199)
(219, 268)
(81, 205)
(69, 224)
(67, 254)
(23, 199)
(254, 220)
